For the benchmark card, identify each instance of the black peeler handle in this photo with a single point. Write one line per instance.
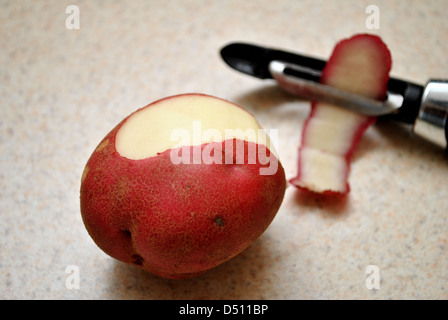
(424, 107)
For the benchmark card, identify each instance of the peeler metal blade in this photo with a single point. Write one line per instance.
(311, 90)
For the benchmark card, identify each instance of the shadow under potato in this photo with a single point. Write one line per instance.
(246, 276)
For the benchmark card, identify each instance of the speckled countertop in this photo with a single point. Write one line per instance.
(62, 90)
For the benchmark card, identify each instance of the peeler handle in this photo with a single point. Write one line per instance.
(432, 119)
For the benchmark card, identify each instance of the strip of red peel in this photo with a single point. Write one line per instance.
(363, 126)
(355, 141)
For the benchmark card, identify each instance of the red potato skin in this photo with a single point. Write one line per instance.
(327, 78)
(175, 221)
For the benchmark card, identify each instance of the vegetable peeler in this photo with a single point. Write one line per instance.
(423, 107)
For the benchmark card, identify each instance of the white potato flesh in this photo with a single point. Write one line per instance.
(189, 119)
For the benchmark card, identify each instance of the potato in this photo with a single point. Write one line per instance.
(181, 185)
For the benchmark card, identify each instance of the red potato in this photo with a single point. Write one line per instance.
(157, 194)
(330, 135)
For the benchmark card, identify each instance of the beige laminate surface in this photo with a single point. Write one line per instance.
(62, 90)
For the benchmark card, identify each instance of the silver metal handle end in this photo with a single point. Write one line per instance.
(431, 123)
